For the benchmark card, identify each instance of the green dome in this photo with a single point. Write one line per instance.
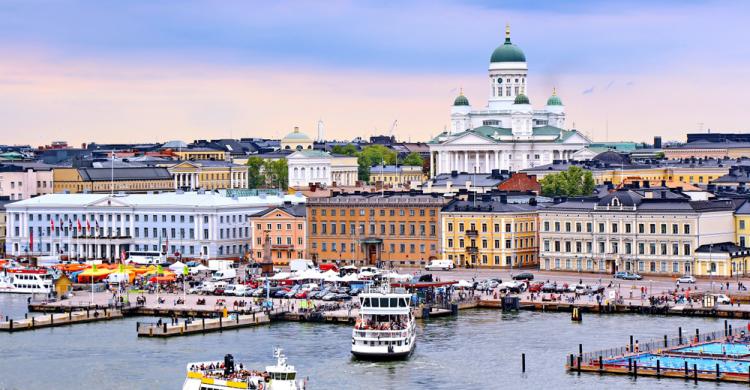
(461, 100)
(508, 52)
(296, 135)
(554, 100)
(521, 99)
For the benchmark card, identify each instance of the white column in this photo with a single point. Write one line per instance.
(487, 162)
(497, 160)
(466, 161)
(433, 163)
(175, 181)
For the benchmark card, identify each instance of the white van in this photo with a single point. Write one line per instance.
(445, 265)
(224, 274)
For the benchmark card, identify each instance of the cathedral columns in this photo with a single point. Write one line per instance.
(466, 162)
(497, 160)
(487, 162)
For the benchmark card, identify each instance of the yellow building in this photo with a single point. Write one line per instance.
(742, 225)
(103, 180)
(208, 175)
(296, 141)
(490, 233)
(3, 224)
(724, 259)
(396, 175)
(200, 154)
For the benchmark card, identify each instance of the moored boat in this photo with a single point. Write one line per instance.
(222, 375)
(26, 281)
(385, 328)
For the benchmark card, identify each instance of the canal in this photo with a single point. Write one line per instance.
(477, 349)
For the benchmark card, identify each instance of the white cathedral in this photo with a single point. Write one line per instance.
(508, 133)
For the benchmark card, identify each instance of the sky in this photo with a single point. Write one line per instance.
(158, 70)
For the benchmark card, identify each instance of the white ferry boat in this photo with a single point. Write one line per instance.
(385, 328)
(230, 375)
(26, 281)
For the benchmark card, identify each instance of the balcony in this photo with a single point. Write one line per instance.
(472, 233)
(282, 246)
(472, 249)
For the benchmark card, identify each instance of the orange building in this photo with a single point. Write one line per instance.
(390, 229)
(279, 233)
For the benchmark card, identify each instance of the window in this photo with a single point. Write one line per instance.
(628, 228)
(614, 228)
(450, 226)
(601, 228)
(652, 228)
(686, 249)
(663, 228)
(675, 229)
(686, 229)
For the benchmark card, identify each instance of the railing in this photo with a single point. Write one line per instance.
(472, 249)
(657, 345)
(380, 334)
(472, 233)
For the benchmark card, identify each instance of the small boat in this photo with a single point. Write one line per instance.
(26, 281)
(221, 375)
(385, 328)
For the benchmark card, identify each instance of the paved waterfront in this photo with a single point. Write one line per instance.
(478, 349)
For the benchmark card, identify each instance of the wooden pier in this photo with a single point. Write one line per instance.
(202, 325)
(64, 319)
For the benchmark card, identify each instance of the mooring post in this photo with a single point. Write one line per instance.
(220, 324)
(11, 324)
(730, 329)
(695, 373)
(51, 319)
(665, 341)
(33, 322)
(571, 361)
(601, 363)
(203, 320)
(631, 343)
(26, 315)
(658, 368)
(630, 364)
(679, 330)
(635, 369)
(523, 362)
(580, 349)
(697, 335)
(580, 358)
(726, 328)
(686, 370)
(718, 373)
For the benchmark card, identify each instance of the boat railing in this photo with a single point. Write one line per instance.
(375, 334)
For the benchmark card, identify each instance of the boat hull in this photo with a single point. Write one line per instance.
(380, 356)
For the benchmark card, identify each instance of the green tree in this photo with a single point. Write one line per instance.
(374, 155)
(276, 173)
(255, 177)
(347, 150)
(573, 182)
(413, 159)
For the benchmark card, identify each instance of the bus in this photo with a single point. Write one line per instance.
(147, 257)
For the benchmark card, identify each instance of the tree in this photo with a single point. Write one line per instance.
(347, 150)
(276, 173)
(573, 182)
(413, 159)
(255, 177)
(374, 155)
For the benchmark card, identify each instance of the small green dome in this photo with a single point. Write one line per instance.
(508, 52)
(554, 100)
(461, 100)
(521, 99)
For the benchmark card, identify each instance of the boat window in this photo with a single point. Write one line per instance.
(402, 303)
(291, 376)
(375, 302)
(393, 302)
(383, 302)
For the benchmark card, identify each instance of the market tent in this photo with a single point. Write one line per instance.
(307, 274)
(177, 266)
(464, 284)
(280, 276)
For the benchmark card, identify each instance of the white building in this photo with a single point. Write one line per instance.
(508, 133)
(193, 224)
(19, 181)
(315, 166)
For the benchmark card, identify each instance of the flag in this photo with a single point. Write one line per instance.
(78, 223)
(159, 270)
(185, 270)
(122, 255)
(52, 224)
(94, 269)
(88, 227)
(96, 224)
(121, 268)
(31, 239)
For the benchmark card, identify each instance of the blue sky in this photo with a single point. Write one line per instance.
(586, 48)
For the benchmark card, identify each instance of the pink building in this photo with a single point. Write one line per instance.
(24, 181)
(279, 233)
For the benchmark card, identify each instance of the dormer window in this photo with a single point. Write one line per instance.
(615, 202)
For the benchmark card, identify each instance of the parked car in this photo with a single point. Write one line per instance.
(281, 293)
(230, 289)
(582, 289)
(435, 265)
(342, 297)
(722, 299)
(292, 292)
(535, 287)
(524, 276)
(549, 288)
(686, 279)
(301, 294)
(329, 296)
(628, 276)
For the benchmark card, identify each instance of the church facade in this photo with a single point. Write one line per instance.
(507, 134)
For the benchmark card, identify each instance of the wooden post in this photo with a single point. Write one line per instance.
(631, 343)
(730, 329)
(220, 324)
(718, 373)
(523, 362)
(70, 316)
(680, 332)
(580, 358)
(601, 363)
(697, 335)
(203, 320)
(572, 366)
(33, 322)
(658, 368)
(635, 369)
(630, 364)
(580, 349)
(686, 370)
(165, 328)
(11, 324)
(695, 373)
(51, 319)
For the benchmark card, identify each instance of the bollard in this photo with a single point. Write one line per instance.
(580, 358)
(680, 333)
(220, 325)
(635, 369)
(686, 370)
(695, 373)
(726, 328)
(718, 373)
(601, 363)
(665, 341)
(51, 319)
(523, 362)
(165, 328)
(630, 364)
(631, 343)
(658, 368)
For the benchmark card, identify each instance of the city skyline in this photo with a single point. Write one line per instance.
(158, 71)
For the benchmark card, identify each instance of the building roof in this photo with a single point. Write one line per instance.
(392, 168)
(731, 248)
(296, 136)
(295, 210)
(488, 206)
(461, 100)
(508, 52)
(158, 200)
(129, 173)
(554, 100)
(459, 179)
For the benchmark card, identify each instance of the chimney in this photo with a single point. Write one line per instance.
(646, 184)
(657, 142)
(663, 183)
(495, 173)
(504, 198)
(532, 202)
(454, 173)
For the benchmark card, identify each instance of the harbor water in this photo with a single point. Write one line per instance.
(479, 349)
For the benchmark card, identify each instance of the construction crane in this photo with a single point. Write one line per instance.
(393, 127)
